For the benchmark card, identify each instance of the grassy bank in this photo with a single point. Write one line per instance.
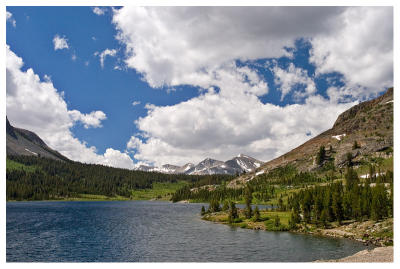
(378, 233)
(159, 191)
(266, 221)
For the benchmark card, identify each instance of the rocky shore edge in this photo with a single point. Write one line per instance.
(379, 254)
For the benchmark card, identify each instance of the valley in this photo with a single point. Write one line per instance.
(338, 184)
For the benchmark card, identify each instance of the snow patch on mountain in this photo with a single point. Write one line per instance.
(260, 173)
(339, 137)
(237, 165)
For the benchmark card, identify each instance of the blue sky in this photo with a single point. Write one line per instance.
(88, 87)
(193, 73)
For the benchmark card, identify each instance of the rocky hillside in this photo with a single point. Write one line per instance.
(236, 165)
(24, 142)
(363, 131)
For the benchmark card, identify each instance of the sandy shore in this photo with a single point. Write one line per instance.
(381, 254)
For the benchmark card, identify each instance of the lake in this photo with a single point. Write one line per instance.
(147, 231)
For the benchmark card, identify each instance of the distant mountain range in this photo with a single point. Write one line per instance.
(24, 142)
(236, 165)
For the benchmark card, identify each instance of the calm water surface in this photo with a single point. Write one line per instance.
(141, 231)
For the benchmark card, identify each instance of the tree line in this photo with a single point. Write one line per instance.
(54, 179)
(221, 193)
(338, 202)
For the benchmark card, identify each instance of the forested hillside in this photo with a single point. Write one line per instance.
(34, 178)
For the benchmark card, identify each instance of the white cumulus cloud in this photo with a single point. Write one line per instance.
(185, 45)
(38, 106)
(115, 158)
(286, 79)
(218, 126)
(60, 42)
(360, 48)
(93, 119)
(200, 46)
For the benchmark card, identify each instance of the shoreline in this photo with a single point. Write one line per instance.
(378, 254)
(88, 200)
(369, 233)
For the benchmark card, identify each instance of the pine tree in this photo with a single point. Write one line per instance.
(280, 204)
(366, 200)
(306, 206)
(203, 211)
(296, 215)
(351, 178)
(214, 206)
(355, 203)
(233, 213)
(349, 158)
(256, 216)
(248, 199)
(372, 174)
(277, 221)
(318, 207)
(294, 219)
(356, 145)
(321, 155)
(225, 206)
(380, 204)
(337, 205)
(324, 217)
(327, 204)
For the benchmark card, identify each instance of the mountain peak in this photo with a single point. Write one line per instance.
(209, 166)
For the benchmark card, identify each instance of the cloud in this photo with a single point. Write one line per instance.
(115, 158)
(102, 55)
(10, 19)
(73, 57)
(135, 103)
(99, 11)
(93, 119)
(38, 106)
(361, 49)
(188, 44)
(134, 143)
(202, 46)
(287, 79)
(214, 125)
(60, 42)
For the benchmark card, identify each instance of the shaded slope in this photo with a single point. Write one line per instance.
(24, 142)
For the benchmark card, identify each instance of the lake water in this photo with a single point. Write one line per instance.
(143, 231)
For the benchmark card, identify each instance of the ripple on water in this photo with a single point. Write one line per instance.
(128, 231)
